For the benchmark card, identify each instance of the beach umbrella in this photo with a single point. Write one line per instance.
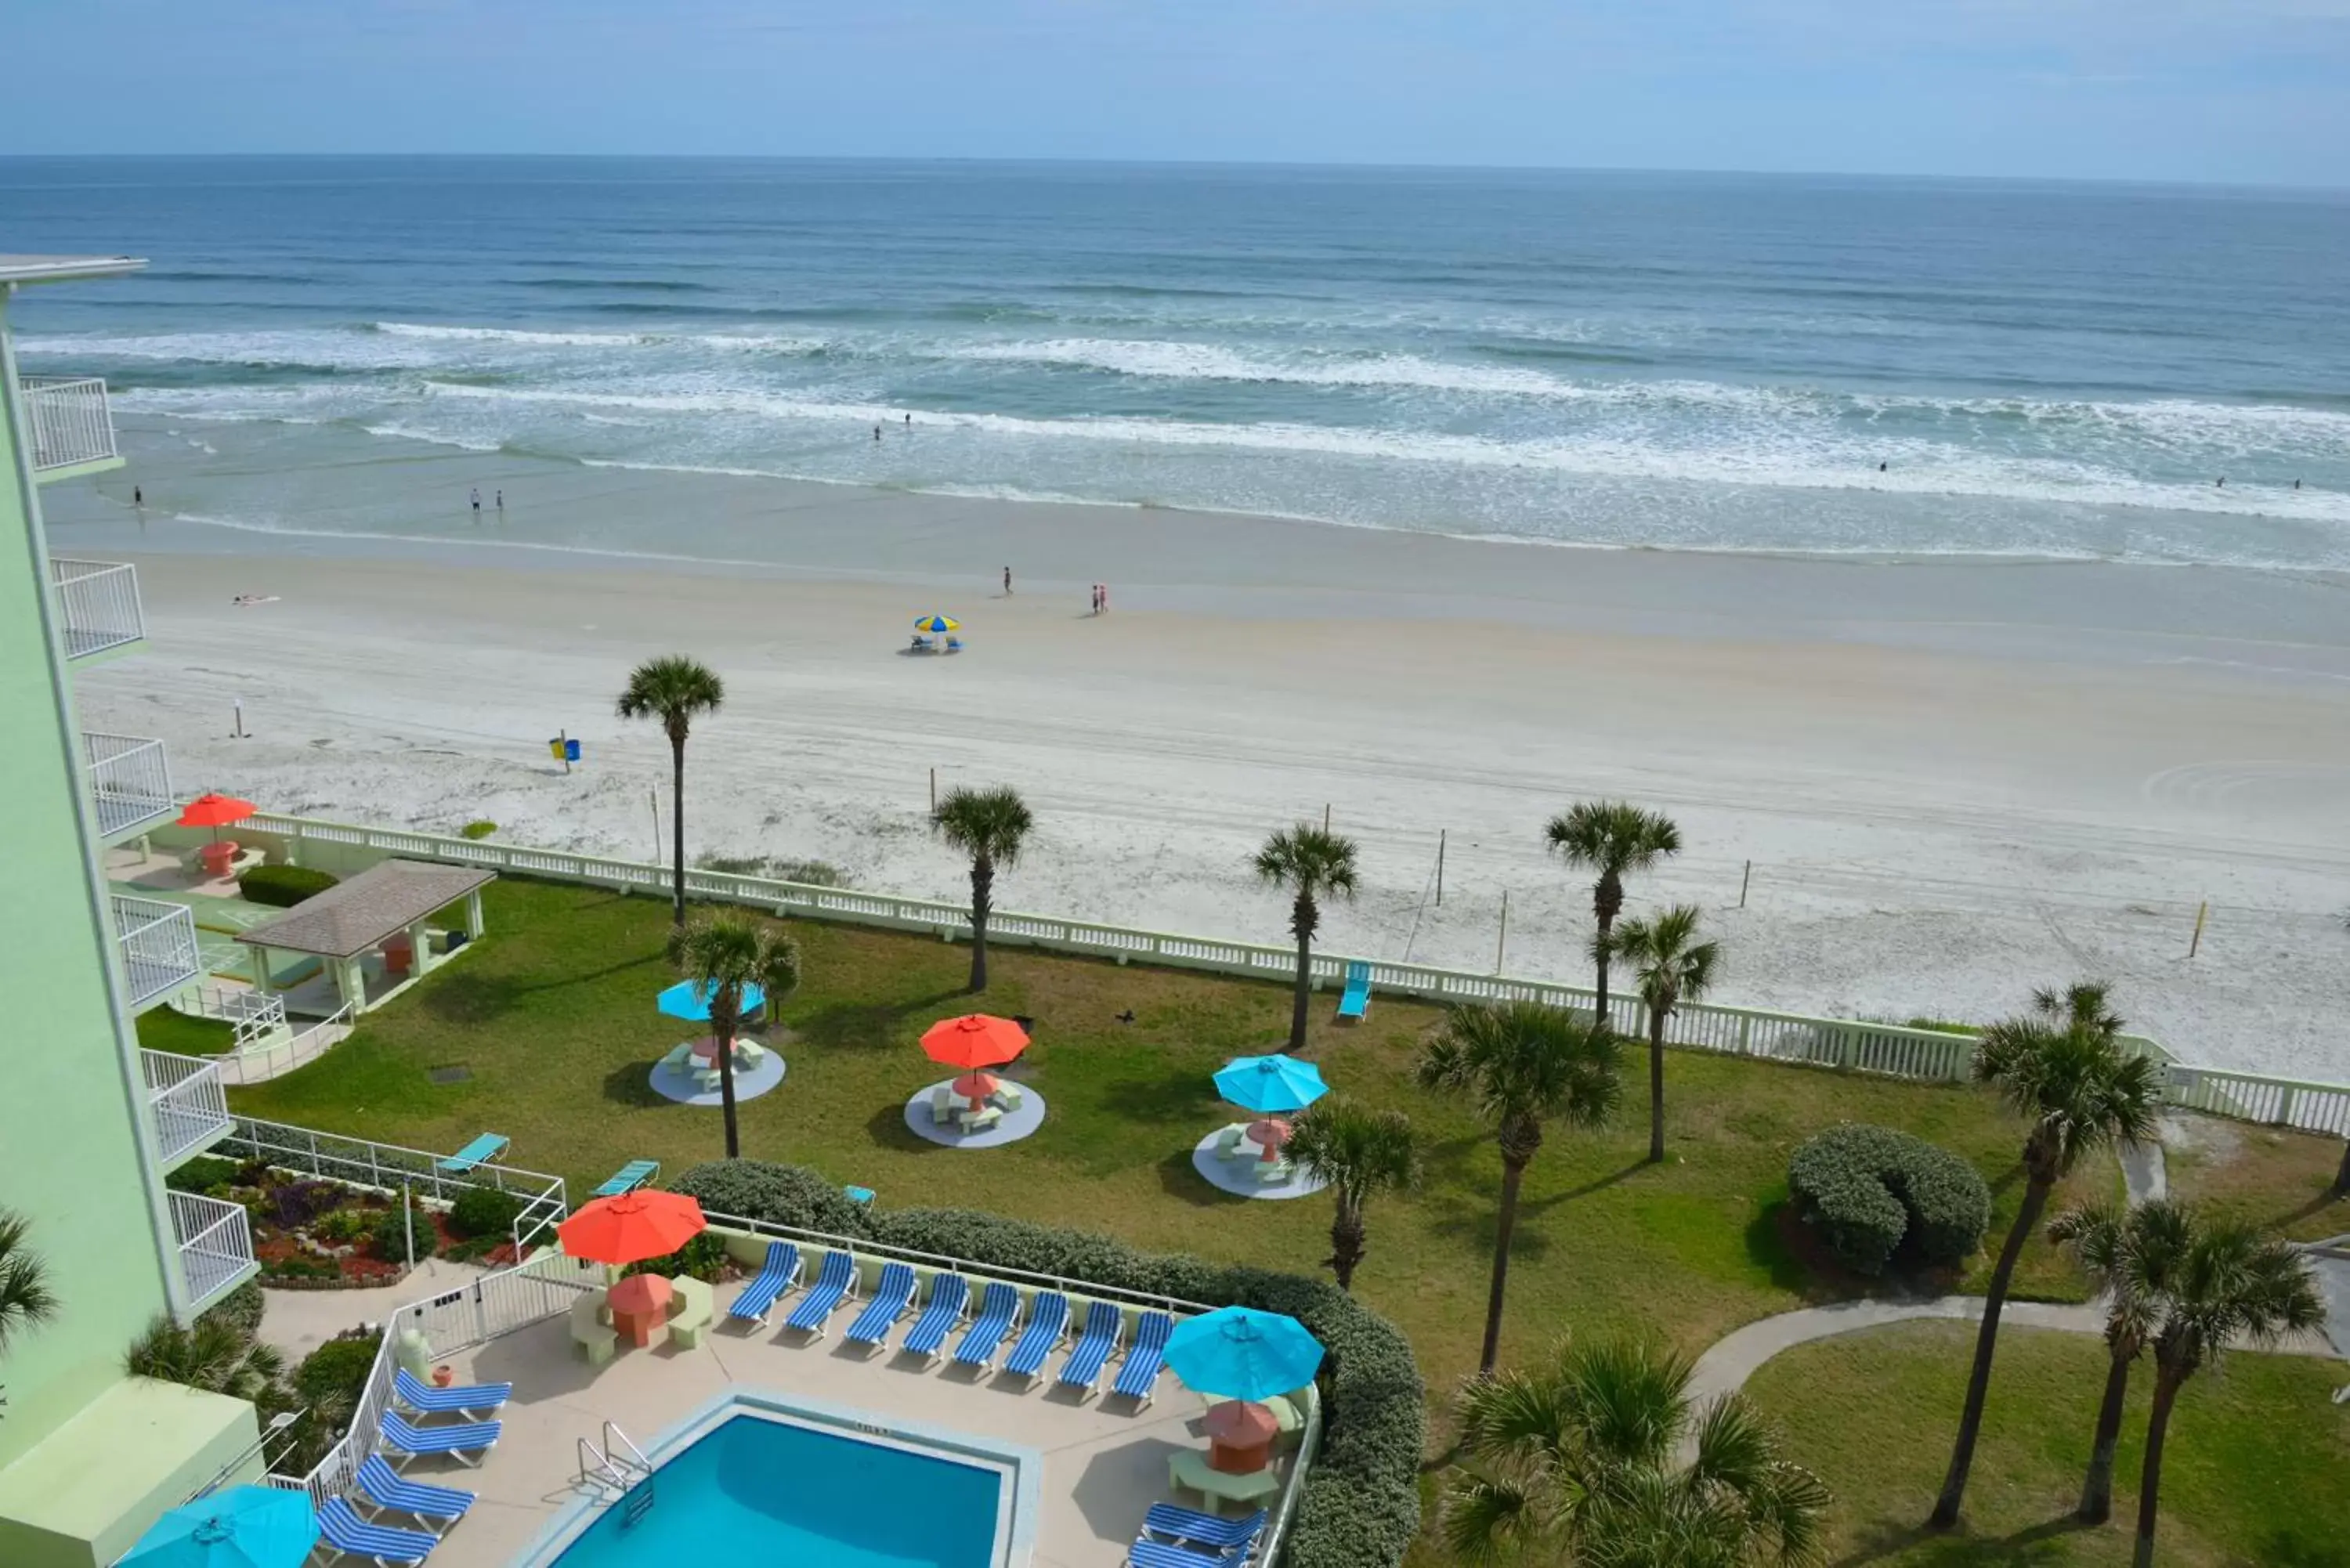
(937, 623)
(1271, 1085)
(690, 1000)
(238, 1527)
(632, 1227)
(975, 1041)
(1239, 1353)
(215, 812)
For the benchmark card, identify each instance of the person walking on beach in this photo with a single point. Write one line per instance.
(138, 496)
(909, 421)
(1096, 598)
(502, 502)
(1007, 582)
(478, 502)
(877, 432)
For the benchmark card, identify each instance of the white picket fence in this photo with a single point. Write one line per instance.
(1855, 1044)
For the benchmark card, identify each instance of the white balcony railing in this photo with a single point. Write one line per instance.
(215, 1246)
(190, 1106)
(159, 947)
(129, 780)
(98, 604)
(71, 423)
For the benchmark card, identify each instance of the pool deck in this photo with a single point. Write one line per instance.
(1102, 1465)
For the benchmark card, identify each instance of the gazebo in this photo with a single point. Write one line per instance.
(376, 920)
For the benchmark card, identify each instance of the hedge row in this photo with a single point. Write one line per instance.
(1878, 1195)
(1360, 1504)
(282, 886)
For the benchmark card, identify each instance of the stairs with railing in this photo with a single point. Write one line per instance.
(614, 1464)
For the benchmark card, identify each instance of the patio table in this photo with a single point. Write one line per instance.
(640, 1305)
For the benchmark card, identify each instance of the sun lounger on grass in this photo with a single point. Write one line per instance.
(342, 1532)
(835, 1282)
(479, 1152)
(1048, 1323)
(464, 1438)
(1201, 1532)
(628, 1178)
(999, 1309)
(1355, 1000)
(381, 1488)
(1083, 1369)
(779, 1273)
(474, 1401)
(1138, 1374)
(891, 1297)
(950, 1295)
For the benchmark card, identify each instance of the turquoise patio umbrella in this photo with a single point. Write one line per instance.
(239, 1527)
(1270, 1086)
(1240, 1353)
(687, 1000)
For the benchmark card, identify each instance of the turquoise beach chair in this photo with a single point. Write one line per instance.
(628, 1178)
(479, 1152)
(1355, 1001)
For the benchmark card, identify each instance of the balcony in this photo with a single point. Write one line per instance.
(159, 948)
(73, 429)
(191, 1109)
(98, 606)
(130, 782)
(215, 1248)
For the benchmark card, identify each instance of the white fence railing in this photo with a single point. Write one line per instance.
(98, 604)
(191, 1109)
(215, 1245)
(160, 954)
(391, 1169)
(71, 423)
(278, 1052)
(129, 780)
(258, 1020)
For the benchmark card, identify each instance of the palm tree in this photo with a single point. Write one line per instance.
(26, 1298)
(1523, 1065)
(2233, 1285)
(1672, 967)
(722, 955)
(1359, 1151)
(211, 1354)
(1613, 837)
(1310, 861)
(2063, 1069)
(1578, 1462)
(2130, 1257)
(990, 826)
(674, 688)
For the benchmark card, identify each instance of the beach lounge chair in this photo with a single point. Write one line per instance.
(1048, 1324)
(479, 1152)
(779, 1273)
(460, 1440)
(342, 1532)
(628, 1178)
(1104, 1327)
(381, 1490)
(950, 1295)
(999, 1309)
(1148, 1553)
(860, 1196)
(1355, 1000)
(1138, 1374)
(891, 1297)
(954, 645)
(1202, 1531)
(835, 1282)
(472, 1401)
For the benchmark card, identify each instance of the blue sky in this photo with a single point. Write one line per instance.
(2230, 91)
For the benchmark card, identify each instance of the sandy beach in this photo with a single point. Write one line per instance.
(1954, 779)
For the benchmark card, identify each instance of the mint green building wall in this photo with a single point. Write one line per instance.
(71, 1156)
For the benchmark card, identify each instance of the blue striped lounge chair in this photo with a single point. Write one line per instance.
(472, 1401)
(1201, 1532)
(891, 1296)
(835, 1282)
(1104, 1327)
(464, 1441)
(950, 1295)
(628, 1178)
(1138, 1374)
(479, 1152)
(381, 1490)
(1048, 1323)
(1148, 1553)
(342, 1532)
(999, 1309)
(779, 1273)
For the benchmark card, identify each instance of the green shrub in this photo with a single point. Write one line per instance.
(705, 1258)
(1878, 1196)
(485, 1213)
(301, 1269)
(333, 1374)
(778, 1194)
(206, 1176)
(239, 1311)
(342, 1225)
(481, 828)
(282, 886)
(391, 1236)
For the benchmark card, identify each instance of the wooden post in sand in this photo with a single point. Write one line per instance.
(1439, 867)
(1744, 877)
(654, 794)
(1502, 946)
(934, 791)
(1326, 816)
(2201, 911)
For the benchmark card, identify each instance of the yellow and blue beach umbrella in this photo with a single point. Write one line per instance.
(1270, 1086)
(1240, 1353)
(937, 623)
(241, 1527)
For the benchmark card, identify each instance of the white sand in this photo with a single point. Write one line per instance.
(1955, 782)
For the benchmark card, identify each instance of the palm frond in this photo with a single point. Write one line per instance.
(1309, 860)
(674, 688)
(26, 1298)
(993, 824)
(1611, 837)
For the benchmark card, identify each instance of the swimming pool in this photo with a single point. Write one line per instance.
(758, 1480)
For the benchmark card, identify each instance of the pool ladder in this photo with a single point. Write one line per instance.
(617, 1462)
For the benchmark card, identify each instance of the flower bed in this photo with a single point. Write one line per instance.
(312, 1235)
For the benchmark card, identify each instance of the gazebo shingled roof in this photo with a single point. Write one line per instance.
(353, 917)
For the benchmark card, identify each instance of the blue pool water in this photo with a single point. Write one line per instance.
(752, 1491)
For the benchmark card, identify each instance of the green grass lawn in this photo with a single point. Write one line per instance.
(2253, 1474)
(165, 1029)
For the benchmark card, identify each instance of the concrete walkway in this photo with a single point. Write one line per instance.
(298, 1322)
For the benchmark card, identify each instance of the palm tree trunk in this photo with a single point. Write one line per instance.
(2341, 1177)
(1302, 920)
(725, 1032)
(983, 904)
(1506, 1221)
(1962, 1455)
(2149, 1479)
(1345, 1244)
(2097, 1491)
(1656, 1085)
(1599, 959)
(677, 832)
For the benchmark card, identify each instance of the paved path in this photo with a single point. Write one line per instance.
(298, 1322)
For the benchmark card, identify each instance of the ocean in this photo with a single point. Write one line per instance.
(1701, 362)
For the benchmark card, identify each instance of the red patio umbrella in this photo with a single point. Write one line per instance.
(631, 1227)
(210, 810)
(975, 1041)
